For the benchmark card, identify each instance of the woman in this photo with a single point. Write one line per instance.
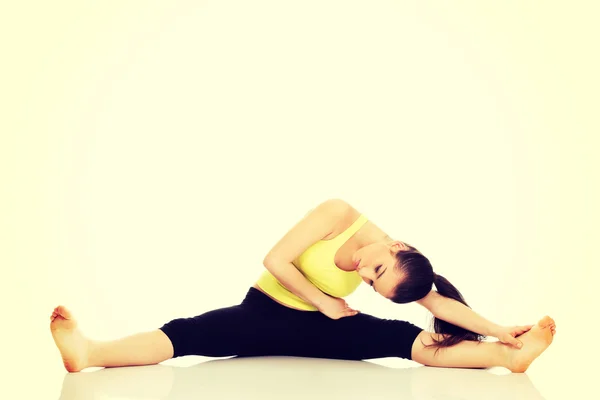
(292, 313)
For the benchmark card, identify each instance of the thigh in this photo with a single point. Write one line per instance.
(237, 330)
(206, 334)
(361, 337)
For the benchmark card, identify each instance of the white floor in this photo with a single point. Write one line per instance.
(294, 378)
(31, 368)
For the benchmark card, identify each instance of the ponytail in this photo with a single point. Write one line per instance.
(418, 279)
(452, 334)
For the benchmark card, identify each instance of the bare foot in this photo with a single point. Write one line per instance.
(535, 341)
(71, 343)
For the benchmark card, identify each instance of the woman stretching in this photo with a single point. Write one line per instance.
(296, 309)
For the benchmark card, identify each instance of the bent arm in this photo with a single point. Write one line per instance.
(456, 313)
(293, 280)
(316, 225)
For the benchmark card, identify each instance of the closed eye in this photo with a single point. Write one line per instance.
(376, 271)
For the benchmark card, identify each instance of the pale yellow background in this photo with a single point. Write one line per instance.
(153, 152)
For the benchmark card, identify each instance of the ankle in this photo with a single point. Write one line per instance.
(93, 354)
(504, 355)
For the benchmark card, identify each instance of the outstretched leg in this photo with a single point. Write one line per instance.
(79, 352)
(217, 333)
(255, 327)
(470, 354)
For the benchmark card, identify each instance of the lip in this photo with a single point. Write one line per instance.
(357, 263)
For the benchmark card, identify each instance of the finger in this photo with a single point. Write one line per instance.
(519, 330)
(526, 328)
(514, 342)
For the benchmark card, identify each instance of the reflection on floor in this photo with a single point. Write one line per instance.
(294, 378)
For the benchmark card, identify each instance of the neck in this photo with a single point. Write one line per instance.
(369, 238)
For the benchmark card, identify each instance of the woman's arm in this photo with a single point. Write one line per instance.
(316, 225)
(458, 314)
(292, 279)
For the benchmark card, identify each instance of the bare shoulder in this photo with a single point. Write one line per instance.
(332, 207)
(337, 206)
(343, 213)
(318, 224)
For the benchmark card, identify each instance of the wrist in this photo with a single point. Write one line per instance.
(319, 301)
(493, 330)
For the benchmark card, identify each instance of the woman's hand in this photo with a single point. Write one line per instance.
(507, 334)
(336, 308)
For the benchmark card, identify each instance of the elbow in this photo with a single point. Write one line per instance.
(269, 261)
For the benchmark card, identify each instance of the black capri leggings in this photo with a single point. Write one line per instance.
(260, 326)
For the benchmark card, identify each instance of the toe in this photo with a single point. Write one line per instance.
(63, 312)
(546, 322)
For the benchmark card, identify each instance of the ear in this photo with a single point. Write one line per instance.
(397, 245)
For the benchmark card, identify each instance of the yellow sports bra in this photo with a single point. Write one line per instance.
(318, 266)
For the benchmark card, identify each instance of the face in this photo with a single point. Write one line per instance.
(376, 264)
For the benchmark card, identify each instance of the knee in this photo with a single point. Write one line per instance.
(429, 338)
(421, 349)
